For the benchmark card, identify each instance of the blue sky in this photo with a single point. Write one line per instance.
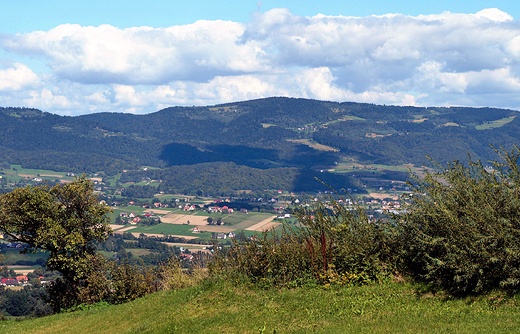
(76, 57)
(30, 15)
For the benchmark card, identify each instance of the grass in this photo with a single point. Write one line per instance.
(182, 230)
(495, 124)
(347, 168)
(13, 255)
(138, 251)
(168, 229)
(267, 125)
(314, 145)
(352, 118)
(35, 172)
(245, 220)
(220, 307)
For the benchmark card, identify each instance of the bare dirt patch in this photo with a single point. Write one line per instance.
(96, 179)
(383, 196)
(51, 175)
(125, 229)
(173, 218)
(22, 270)
(116, 227)
(260, 226)
(26, 175)
(217, 228)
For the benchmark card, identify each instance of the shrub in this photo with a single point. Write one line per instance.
(129, 282)
(343, 240)
(172, 276)
(461, 227)
(333, 244)
(268, 259)
(63, 294)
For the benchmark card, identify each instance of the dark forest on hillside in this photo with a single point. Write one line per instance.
(275, 134)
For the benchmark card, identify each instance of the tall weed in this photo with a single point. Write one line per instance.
(334, 244)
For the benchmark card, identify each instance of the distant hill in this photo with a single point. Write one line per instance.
(266, 133)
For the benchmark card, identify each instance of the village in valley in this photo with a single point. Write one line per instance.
(192, 224)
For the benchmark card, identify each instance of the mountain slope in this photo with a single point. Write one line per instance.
(259, 133)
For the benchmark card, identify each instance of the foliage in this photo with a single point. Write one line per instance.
(226, 178)
(461, 228)
(173, 276)
(234, 133)
(268, 259)
(342, 239)
(93, 287)
(130, 282)
(27, 301)
(334, 244)
(63, 220)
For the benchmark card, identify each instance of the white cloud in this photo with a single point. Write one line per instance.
(47, 100)
(494, 14)
(18, 77)
(141, 55)
(442, 59)
(432, 77)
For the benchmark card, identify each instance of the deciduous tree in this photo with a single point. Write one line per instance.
(63, 220)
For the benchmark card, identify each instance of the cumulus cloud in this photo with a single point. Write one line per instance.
(47, 100)
(17, 77)
(141, 55)
(441, 59)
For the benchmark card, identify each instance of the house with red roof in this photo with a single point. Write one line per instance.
(22, 278)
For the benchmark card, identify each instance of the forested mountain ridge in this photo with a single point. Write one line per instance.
(264, 133)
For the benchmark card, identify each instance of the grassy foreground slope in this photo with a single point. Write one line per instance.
(219, 307)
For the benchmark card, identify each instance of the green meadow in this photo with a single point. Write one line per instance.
(218, 306)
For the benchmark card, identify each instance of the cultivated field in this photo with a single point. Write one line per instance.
(175, 224)
(157, 211)
(218, 228)
(120, 231)
(264, 225)
(23, 270)
(382, 196)
(174, 218)
(187, 237)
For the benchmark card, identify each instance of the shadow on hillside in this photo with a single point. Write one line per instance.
(310, 180)
(176, 154)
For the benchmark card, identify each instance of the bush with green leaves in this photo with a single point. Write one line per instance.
(129, 282)
(461, 226)
(268, 259)
(342, 239)
(333, 244)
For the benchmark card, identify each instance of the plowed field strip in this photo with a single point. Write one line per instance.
(259, 226)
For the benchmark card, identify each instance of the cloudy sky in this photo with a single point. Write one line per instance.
(77, 57)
